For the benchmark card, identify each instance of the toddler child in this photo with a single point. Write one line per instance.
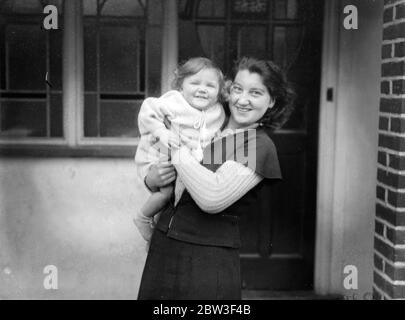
(195, 115)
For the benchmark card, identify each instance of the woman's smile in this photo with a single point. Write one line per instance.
(243, 109)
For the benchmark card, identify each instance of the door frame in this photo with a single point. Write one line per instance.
(329, 220)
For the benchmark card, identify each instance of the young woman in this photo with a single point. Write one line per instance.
(194, 250)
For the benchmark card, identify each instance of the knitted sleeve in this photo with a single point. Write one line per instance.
(151, 116)
(151, 124)
(214, 191)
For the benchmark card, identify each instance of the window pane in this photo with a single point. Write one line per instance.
(212, 41)
(287, 41)
(22, 6)
(119, 57)
(2, 58)
(211, 8)
(292, 9)
(119, 119)
(90, 115)
(288, 54)
(189, 42)
(115, 7)
(154, 61)
(23, 118)
(124, 8)
(186, 9)
(90, 57)
(280, 9)
(26, 56)
(55, 59)
(90, 7)
(280, 47)
(251, 41)
(28, 6)
(286, 9)
(56, 115)
(255, 9)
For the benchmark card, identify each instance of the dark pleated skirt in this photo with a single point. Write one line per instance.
(177, 270)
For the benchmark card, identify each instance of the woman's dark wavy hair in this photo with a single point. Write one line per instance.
(279, 88)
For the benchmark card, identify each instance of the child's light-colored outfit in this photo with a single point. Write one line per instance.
(195, 126)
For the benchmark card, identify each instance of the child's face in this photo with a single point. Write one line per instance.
(201, 89)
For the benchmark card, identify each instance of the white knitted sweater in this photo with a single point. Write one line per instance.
(197, 126)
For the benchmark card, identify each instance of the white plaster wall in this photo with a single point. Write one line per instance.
(74, 214)
(356, 141)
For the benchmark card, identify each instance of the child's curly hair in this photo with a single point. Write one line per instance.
(279, 89)
(195, 65)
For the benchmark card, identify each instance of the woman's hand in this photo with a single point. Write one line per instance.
(160, 175)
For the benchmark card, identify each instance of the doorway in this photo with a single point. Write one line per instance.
(278, 242)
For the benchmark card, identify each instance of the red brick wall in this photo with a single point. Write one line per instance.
(389, 241)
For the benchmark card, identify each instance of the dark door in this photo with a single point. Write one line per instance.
(278, 240)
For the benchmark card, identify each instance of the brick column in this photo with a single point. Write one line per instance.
(389, 240)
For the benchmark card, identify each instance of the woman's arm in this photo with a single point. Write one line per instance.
(214, 191)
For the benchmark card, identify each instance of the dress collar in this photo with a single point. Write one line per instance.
(229, 131)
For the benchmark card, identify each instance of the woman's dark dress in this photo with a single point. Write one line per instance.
(195, 255)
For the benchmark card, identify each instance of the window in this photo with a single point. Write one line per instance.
(225, 30)
(113, 64)
(114, 67)
(29, 108)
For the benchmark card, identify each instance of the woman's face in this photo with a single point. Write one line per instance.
(249, 99)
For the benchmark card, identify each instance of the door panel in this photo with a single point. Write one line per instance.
(285, 227)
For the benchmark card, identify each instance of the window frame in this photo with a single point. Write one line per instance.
(138, 96)
(29, 19)
(74, 143)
